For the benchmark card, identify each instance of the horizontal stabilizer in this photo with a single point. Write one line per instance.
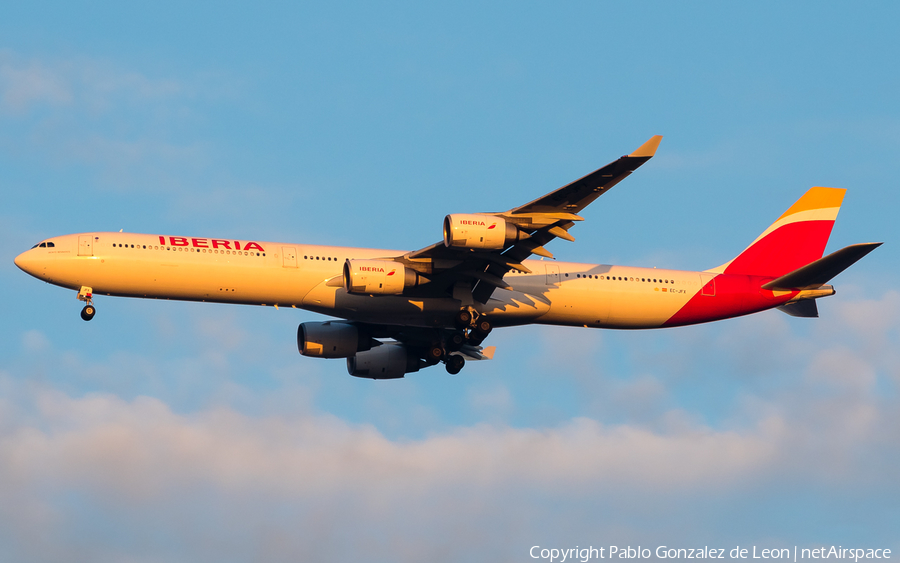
(817, 273)
(805, 308)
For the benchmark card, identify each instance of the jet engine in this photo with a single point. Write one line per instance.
(331, 339)
(388, 361)
(379, 277)
(479, 231)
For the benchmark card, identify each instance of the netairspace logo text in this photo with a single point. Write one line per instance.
(585, 554)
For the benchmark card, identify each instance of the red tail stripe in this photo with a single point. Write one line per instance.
(784, 249)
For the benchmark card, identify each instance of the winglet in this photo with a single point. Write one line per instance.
(648, 149)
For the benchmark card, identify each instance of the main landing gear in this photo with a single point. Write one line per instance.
(86, 294)
(454, 363)
(472, 329)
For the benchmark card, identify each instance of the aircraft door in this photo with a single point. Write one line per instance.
(289, 255)
(552, 274)
(85, 245)
(708, 284)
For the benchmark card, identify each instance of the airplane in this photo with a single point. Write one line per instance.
(398, 311)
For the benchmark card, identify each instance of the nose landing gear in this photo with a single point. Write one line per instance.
(86, 294)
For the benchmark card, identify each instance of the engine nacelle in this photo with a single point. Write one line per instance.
(388, 361)
(331, 339)
(379, 277)
(479, 231)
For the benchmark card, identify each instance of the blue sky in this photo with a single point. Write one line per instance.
(168, 431)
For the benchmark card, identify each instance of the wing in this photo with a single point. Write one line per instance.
(473, 274)
(574, 197)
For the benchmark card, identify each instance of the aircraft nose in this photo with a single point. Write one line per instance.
(26, 262)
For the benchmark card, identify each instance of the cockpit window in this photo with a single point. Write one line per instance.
(43, 245)
(51, 245)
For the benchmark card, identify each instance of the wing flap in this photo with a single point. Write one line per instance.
(475, 353)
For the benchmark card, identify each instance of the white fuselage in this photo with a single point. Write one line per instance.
(309, 277)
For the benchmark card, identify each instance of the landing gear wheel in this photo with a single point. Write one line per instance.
(435, 353)
(88, 312)
(462, 319)
(483, 327)
(456, 341)
(454, 364)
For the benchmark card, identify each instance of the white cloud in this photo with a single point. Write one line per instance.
(34, 341)
(490, 399)
(139, 460)
(26, 84)
(135, 451)
(127, 128)
(308, 484)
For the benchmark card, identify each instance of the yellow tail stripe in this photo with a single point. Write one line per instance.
(817, 198)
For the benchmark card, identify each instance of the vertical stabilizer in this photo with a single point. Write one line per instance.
(797, 238)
